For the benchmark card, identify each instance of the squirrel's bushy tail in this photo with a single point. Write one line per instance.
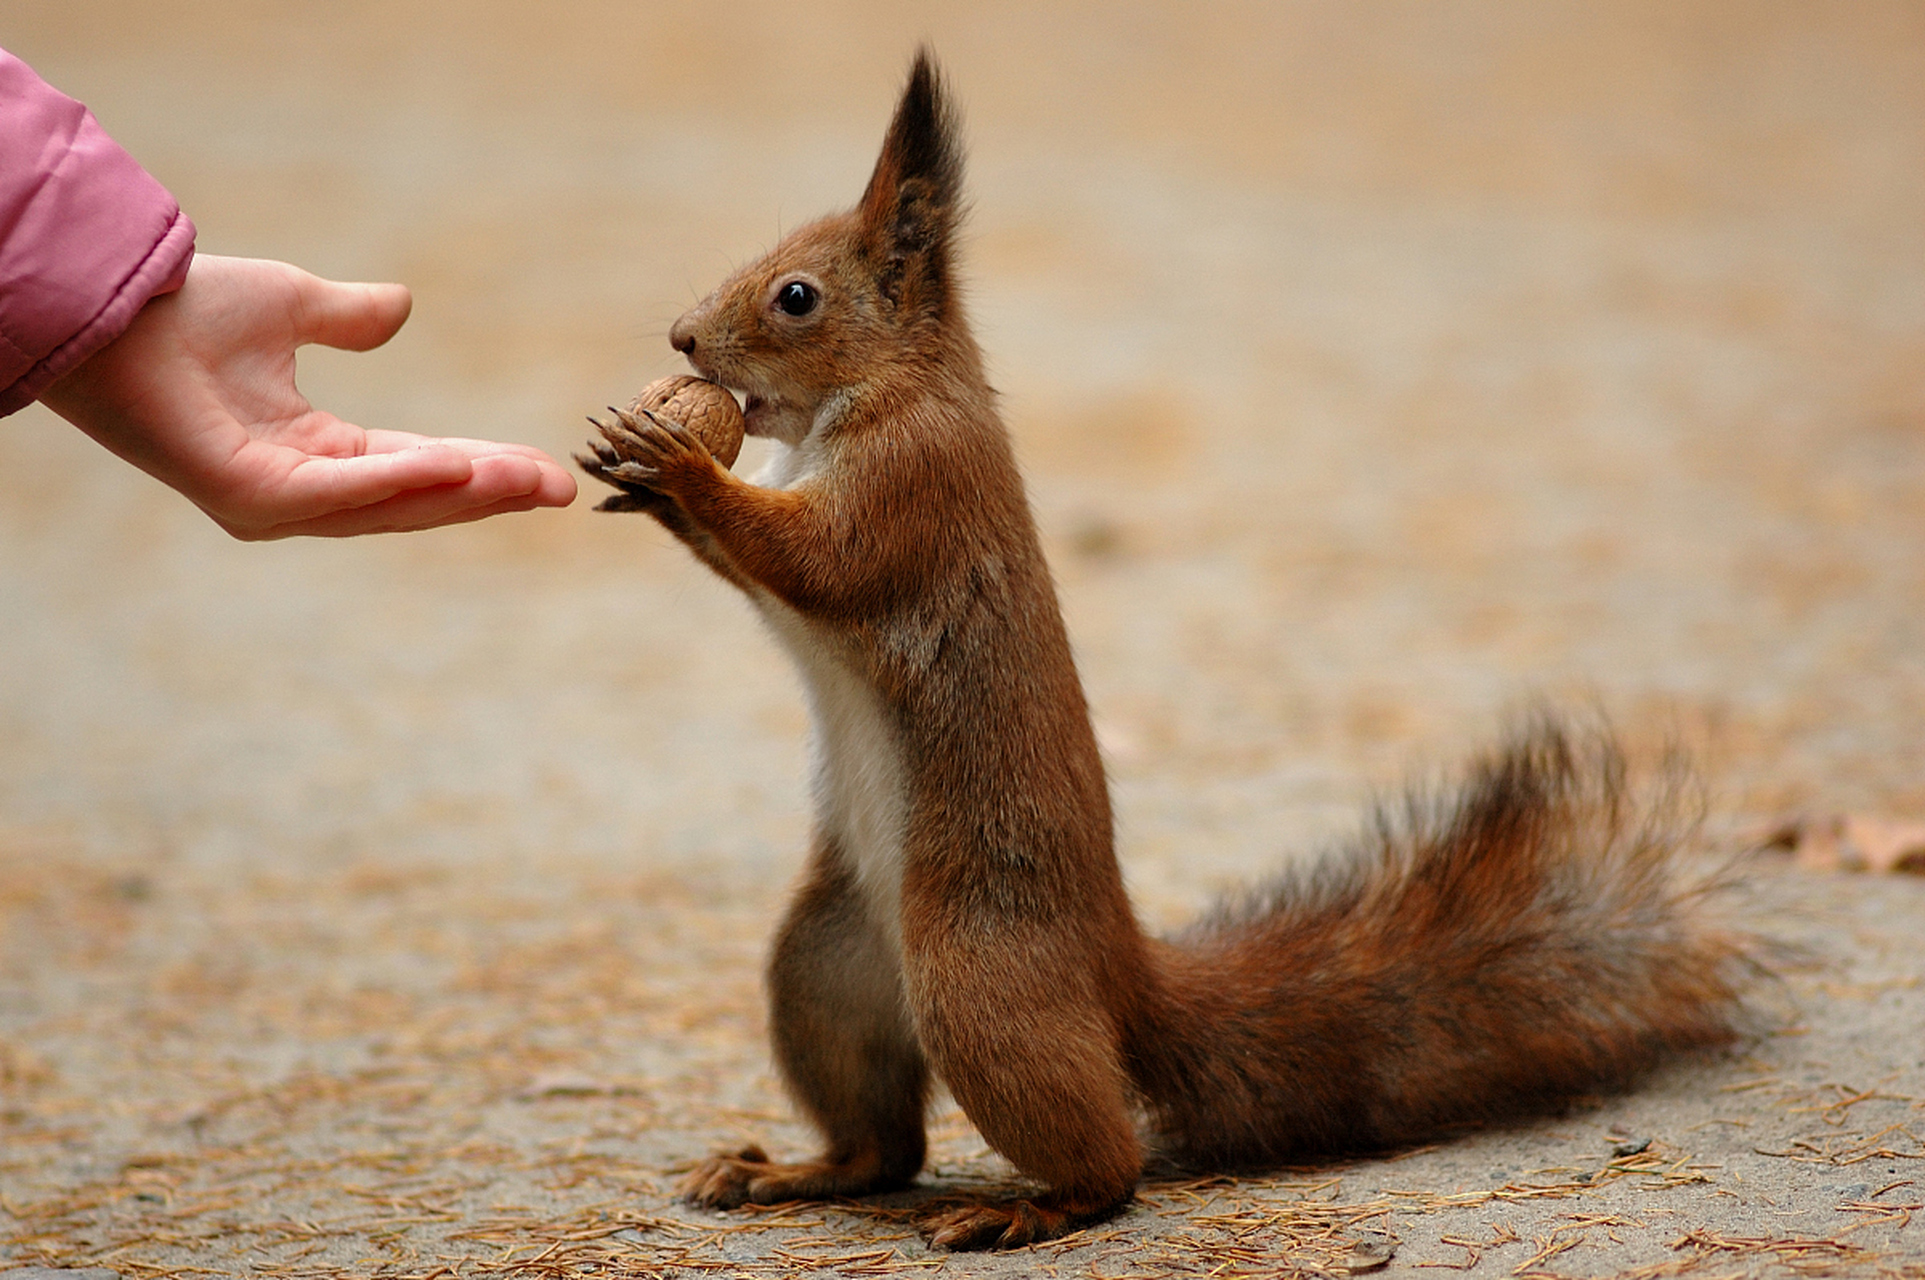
(1527, 940)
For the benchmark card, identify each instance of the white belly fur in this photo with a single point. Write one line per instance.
(856, 765)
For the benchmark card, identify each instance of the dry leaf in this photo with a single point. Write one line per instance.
(1372, 1251)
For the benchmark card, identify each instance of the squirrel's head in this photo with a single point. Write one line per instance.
(841, 299)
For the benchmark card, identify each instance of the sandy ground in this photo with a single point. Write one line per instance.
(395, 907)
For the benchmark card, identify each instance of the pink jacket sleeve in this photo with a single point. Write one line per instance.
(86, 235)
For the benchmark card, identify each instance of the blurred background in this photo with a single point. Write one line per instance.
(1376, 368)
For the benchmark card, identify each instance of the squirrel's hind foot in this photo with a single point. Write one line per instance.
(748, 1176)
(1011, 1224)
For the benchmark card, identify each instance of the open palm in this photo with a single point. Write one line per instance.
(199, 392)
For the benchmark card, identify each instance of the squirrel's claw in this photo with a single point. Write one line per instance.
(606, 463)
(633, 419)
(1010, 1224)
(605, 455)
(604, 458)
(642, 436)
(623, 442)
(726, 1181)
(991, 1226)
(666, 430)
(603, 463)
(635, 454)
(648, 440)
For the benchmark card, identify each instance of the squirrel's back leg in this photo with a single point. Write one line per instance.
(845, 1047)
(1022, 1041)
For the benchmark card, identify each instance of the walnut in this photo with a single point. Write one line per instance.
(705, 408)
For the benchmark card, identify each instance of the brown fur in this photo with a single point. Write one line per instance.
(1515, 947)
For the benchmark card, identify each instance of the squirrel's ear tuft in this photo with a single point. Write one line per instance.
(911, 207)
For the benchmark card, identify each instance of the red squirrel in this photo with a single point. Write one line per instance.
(962, 918)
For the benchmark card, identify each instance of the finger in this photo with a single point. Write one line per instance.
(344, 496)
(503, 474)
(498, 486)
(319, 486)
(353, 317)
(406, 513)
(379, 441)
(556, 487)
(335, 483)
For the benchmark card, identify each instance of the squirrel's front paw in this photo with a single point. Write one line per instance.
(643, 451)
(604, 464)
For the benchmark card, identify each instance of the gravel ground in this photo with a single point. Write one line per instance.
(395, 907)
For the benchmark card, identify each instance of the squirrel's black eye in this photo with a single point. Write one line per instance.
(797, 298)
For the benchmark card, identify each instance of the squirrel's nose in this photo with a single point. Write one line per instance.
(681, 336)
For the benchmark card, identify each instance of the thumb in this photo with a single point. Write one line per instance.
(353, 317)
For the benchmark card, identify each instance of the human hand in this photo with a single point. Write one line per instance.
(199, 393)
